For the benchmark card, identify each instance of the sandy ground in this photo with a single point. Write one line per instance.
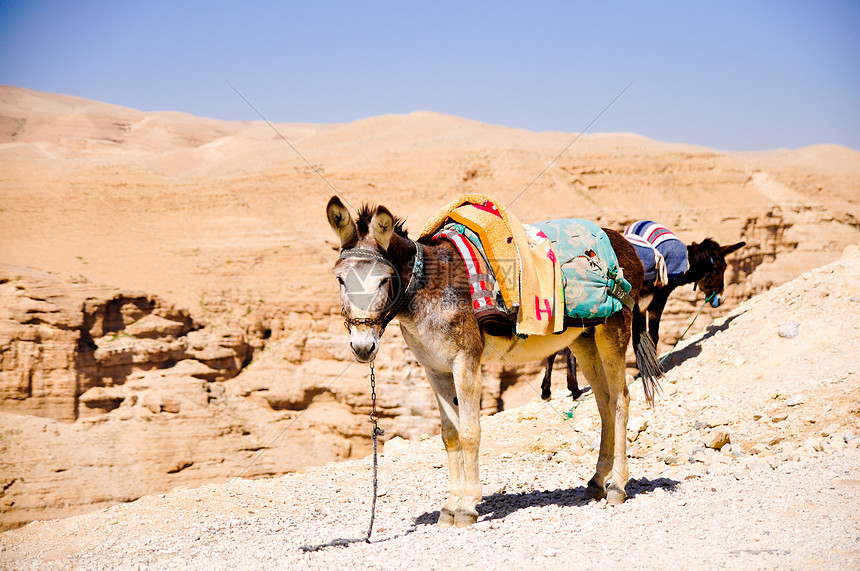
(781, 494)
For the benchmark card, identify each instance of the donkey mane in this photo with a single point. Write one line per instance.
(366, 212)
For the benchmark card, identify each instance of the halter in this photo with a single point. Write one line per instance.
(415, 281)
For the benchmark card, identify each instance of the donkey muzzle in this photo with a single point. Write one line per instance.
(364, 343)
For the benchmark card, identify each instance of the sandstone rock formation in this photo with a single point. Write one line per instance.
(77, 350)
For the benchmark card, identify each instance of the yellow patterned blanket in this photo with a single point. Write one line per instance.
(521, 257)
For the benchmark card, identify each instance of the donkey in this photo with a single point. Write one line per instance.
(438, 323)
(707, 272)
(707, 268)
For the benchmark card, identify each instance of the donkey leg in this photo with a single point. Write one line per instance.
(612, 340)
(655, 312)
(443, 387)
(587, 356)
(572, 386)
(467, 376)
(545, 386)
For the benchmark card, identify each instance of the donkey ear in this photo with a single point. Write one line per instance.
(382, 227)
(340, 220)
(726, 250)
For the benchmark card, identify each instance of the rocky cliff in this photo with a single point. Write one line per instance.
(122, 394)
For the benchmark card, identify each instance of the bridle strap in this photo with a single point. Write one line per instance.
(416, 279)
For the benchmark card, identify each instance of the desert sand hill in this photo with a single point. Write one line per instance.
(748, 461)
(147, 217)
(197, 209)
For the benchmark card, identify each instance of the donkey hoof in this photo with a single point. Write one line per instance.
(615, 496)
(594, 492)
(446, 518)
(465, 518)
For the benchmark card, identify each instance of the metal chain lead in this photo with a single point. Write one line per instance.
(376, 432)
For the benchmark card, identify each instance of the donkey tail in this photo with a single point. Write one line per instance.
(647, 362)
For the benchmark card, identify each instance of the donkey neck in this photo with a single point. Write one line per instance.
(403, 253)
(444, 275)
(699, 267)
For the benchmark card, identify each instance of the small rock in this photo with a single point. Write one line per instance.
(813, 444)
(831, 429)
(717, 438)
(394, 445)
(752, 447)
(634, 426)
(789, 330)
(779, 417)
(794, 401)
(836, 444)
(850, 251)
(756, 465)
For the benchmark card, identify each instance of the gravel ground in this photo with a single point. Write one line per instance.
(782, 493)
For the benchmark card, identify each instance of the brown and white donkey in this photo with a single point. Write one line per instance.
(384, 274)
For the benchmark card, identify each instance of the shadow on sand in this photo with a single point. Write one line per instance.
(499, 506)
(693, 350)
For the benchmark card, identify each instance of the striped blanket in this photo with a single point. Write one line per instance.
(524, 264)
(662, 253)
(483, 286)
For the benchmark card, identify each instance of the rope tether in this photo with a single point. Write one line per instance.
(376, 432)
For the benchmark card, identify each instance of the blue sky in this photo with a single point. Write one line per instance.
(728, 75)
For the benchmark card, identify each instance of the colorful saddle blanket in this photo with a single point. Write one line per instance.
(524, 264)
(486, 294)
(662, 253)
(594, 284)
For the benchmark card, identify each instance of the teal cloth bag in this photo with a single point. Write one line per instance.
(590, 275)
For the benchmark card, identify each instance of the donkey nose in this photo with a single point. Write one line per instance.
(364, 351)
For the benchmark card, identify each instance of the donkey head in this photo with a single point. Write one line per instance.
(369, 281)
(708, 260)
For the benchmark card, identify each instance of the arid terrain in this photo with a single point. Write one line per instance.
(168, 317)
(749, 460)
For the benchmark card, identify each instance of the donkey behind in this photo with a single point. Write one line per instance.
(438, 323)
(705, 268)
